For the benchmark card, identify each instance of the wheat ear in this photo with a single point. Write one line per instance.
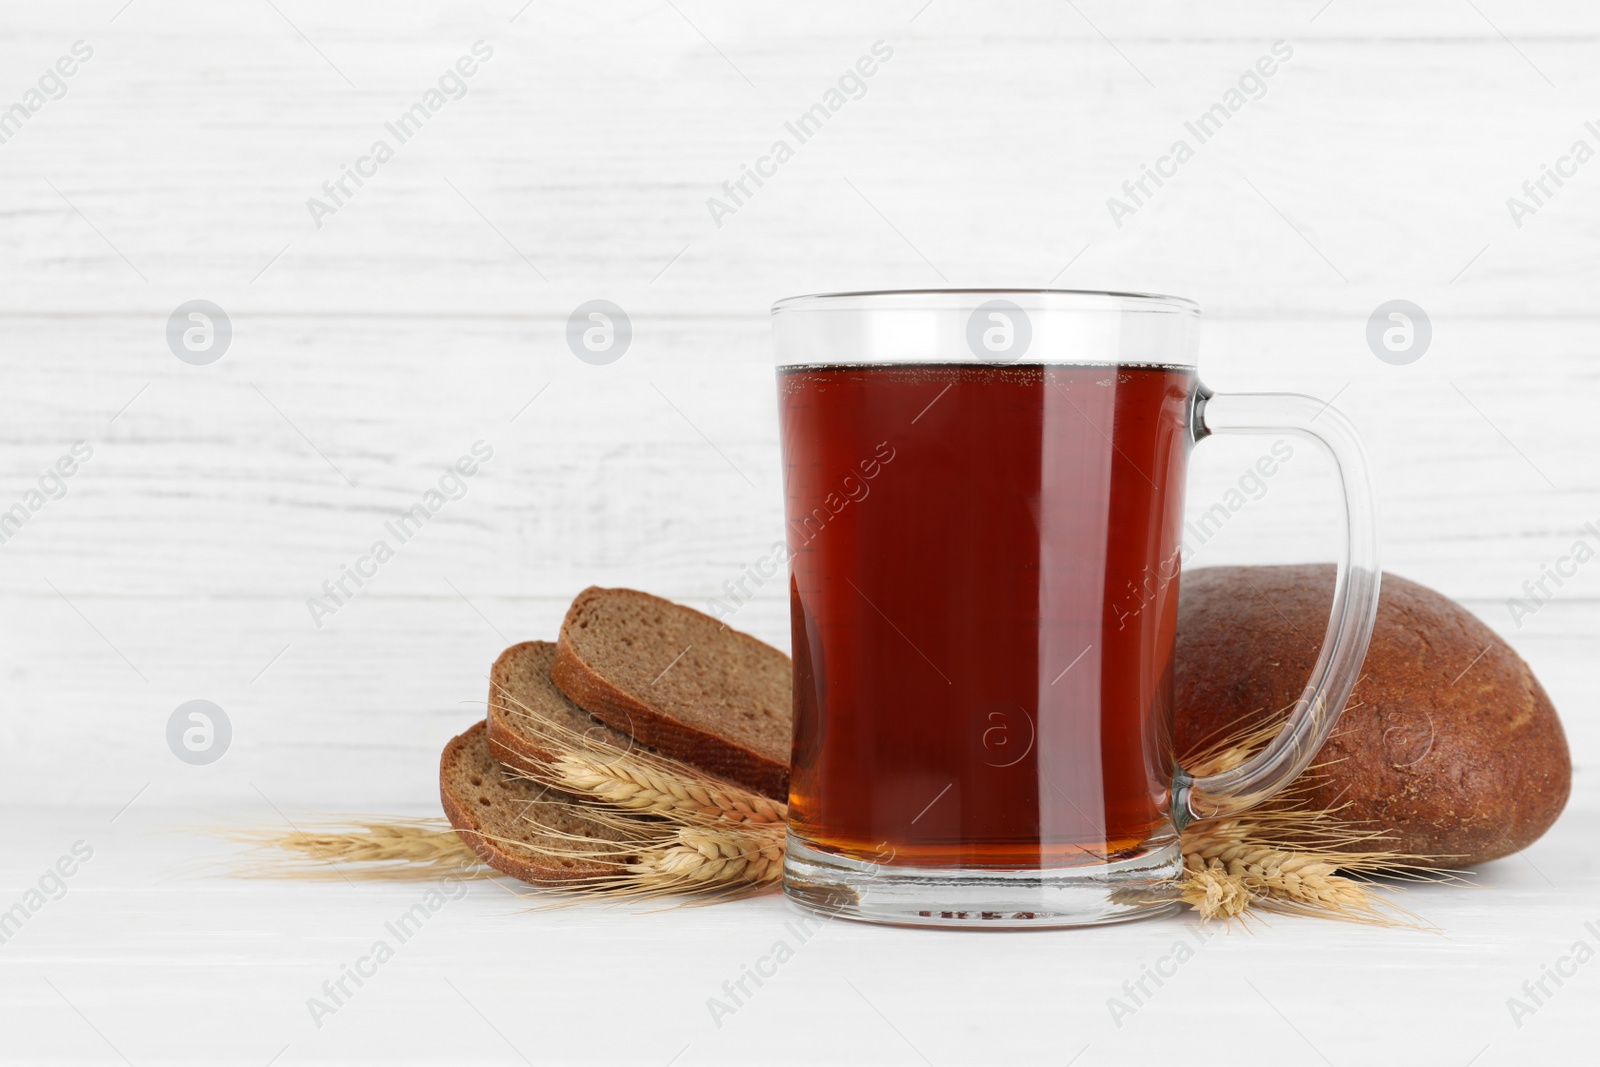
(711, 862)
(1275, 880)
(383, 849)
(1214, 894)
(634, 780)
(1288, 856)
(639, 786)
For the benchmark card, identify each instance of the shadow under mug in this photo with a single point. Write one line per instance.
(984, 501)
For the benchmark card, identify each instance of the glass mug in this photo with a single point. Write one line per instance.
(984, 502)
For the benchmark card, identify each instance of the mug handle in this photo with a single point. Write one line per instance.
(1355, 602)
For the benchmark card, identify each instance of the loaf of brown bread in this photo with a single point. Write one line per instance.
(514, 825)
(1449, 740)
(680, 682)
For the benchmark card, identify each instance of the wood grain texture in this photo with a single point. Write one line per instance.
(1379, 159)
(150, 954)
(428, 313)
(263, 474)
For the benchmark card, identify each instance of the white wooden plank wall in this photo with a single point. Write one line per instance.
(429, 309)
(428, 313)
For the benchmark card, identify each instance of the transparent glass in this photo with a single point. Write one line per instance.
(984, 504)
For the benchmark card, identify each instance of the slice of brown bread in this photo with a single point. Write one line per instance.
(487, 806)
(520, 689)
(682, 683)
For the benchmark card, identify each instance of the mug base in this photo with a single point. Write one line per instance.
(1136, 887)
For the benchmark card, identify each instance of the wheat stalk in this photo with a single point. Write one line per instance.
(637, 785)
(711, 862)
(725, 861)
(1231, 877)
(386, 849)
(1287, 856)
(660, 856)
(631, 779)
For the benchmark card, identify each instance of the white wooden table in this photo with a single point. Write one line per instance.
(428, 312)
